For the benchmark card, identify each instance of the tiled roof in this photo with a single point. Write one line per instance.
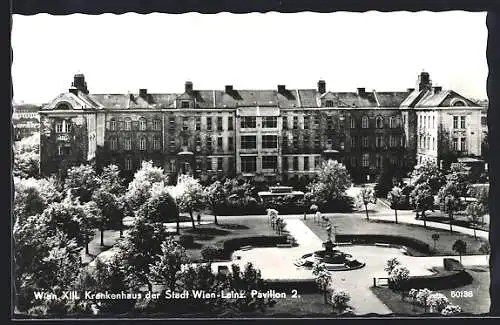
(431, 99)
(391, 99)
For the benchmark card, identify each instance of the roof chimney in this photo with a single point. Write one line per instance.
(321, 87)
(188, 87)
(229, 89)
(361, 91)
(79, 84)
(281, 89)
(424, 81)
(143, 93)
(437, 89)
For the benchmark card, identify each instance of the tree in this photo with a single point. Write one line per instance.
(27, 157)
(449, 200)
(435, 238)
(32, 196)
(340, 300)
(485, 249)
(139, 249)
(215, 195)
(437, 302)
(109, 210)
(82, 181)
(189, 195)
(428, 173)
(331, 182)
(391, 264)
(423, 200)
(110, 180)
(460, 247)
(138, 190)
(367, 196)
(160, 206)
(323, 278)
(395, 197)
(167, 269)
(398, 276)
(305, 202)
(476, 211)
(384, 182)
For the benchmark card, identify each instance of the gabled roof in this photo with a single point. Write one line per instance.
(391, 98)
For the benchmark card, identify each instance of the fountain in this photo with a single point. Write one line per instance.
(333, 259)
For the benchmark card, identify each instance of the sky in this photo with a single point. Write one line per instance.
(159, 52)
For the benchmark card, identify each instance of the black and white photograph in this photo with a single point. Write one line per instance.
(259, 165)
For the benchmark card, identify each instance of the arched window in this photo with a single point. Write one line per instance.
(128, 144)
(380, 122)
(392, 122)
(157, 125)
(142, 144)
(63, 106)
(353, 123)
(459, 103)
(114, 143)
(142, 124)
(364, 122)
(156, 143)
(128, 163)
(112, 125)
(128, 124)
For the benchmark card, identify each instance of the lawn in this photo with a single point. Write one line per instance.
(353, 225)
(211, 234)
(478, 304)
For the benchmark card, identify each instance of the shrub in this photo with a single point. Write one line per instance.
(186, 240)
(451, 310)
(422, 296)
(340, 300)
(210, 253)
(451, 264)
(391, 264)
(437, 302)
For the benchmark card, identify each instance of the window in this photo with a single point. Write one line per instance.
(142, 124)
(393, 141)
(248, 142)
(209, 123)
(172, 144)
(463, 144)
(455, 143)
(425, 122)
(219, 143)
(342, 145)
(365, 142)
(295, 141)
(269, 141)
(197, 164)
(392, 122)
(433, 143)
(171, 122)
(364, 122)
(184, 104)
(209, 143)
(365, 160)
(219, 164)
(248, 122)
(198, 143)
(248, 164)
(433, 122)
(112, 125)
(317, 142)
(317, 162)
(285, 123)
(329, 122)
(379, 141)
(128, 144)
(157, 125)
(306, 122)
(353, 142)
(230, 143)
(455, 122)
(114, 143)
(185, 141)
(128, 124)
(219, 123)
(306, 141)
(284, 162)
(270, 162)
(295, 122)
(353, 161)
(329, 103)
(380, 122)
(230, 123)
(63, 150)
(353, 123)
(128, 164)
(185, 123)
(197, 123)
(295, 163)
(209, 164)
(462, 122)
(269, 122)
(156, 143)
(59, 127)
(306, 163)
(316, 121)
(379, 161)
(142, 144)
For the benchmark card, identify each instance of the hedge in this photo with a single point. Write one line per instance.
(230, 245)
(438, 281)
(451, 264)
(416, 244)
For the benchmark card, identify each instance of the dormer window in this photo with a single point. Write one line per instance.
(185, 104)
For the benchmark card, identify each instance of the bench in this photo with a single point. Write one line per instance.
(344, 244)
(246, 248)
(382, 245)
(383, 282)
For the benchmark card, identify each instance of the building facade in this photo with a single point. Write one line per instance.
(25, 120)
(280, 135)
